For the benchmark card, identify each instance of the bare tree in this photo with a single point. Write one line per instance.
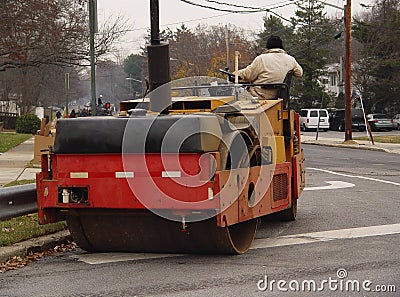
(111, 82)
(38, 32)
(203, 50)
(41, 40)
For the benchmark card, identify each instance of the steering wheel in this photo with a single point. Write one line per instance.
(226, 72)
(231, 76)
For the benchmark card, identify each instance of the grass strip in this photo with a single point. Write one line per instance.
(19, 182)
(382, 139)
(10, 140)
(25, 227)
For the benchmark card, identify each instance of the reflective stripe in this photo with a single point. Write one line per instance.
(124, 174)
(171, 174)
(210, 194)
(78, 174)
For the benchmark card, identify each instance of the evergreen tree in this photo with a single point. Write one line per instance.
(378, 73)
(274, 26)
(311, 42)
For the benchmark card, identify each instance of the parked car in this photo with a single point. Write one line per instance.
(309, 119)
(396, 121)
(380, 121)
(357, 120)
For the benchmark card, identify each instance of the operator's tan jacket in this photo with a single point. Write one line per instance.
(269, 67)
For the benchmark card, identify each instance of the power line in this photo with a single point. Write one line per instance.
(224, 14)
(218, 9)
(184, 21)
(230, 4)
(249, 8)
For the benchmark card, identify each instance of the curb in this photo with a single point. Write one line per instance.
(359, 146)
(34, 245)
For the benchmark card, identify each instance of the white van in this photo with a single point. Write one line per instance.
(309, 119)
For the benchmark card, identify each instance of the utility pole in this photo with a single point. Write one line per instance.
(93, 30)
(66, 80)
(227, 46)
(347, 82)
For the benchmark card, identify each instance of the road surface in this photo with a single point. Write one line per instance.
(345, 242)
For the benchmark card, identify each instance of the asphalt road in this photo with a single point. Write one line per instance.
(347, 234)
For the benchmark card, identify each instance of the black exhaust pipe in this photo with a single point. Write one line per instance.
(158, 63)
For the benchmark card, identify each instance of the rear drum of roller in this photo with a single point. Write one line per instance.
(143, 231)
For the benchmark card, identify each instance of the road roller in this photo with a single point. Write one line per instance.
(191, 167)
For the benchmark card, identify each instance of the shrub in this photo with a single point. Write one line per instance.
(27, 123)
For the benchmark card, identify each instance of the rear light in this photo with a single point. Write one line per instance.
(375, 121)
(391, 121)
(73, 195)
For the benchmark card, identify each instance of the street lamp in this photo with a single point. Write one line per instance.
(134, 79)
(177, 60)
(130, 83)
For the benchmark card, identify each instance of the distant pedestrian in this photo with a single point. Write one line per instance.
(99, 100)
(72, 114)
(84, 113)
(58, 114)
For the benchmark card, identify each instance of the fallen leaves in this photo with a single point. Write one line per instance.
(18, 262)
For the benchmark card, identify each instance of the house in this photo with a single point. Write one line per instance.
(332, 81)
(9, 106)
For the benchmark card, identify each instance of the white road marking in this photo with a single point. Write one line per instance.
(355, 176)
(102, 258)
(326, 236)
(322, 236)
(334, 184)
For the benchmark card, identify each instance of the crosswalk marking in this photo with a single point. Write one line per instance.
(304, 238)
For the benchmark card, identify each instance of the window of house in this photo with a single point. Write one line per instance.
(333, 80)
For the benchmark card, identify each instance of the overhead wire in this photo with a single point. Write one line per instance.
(249, 8)
(230, 4)
(286, 3)
(252, 10)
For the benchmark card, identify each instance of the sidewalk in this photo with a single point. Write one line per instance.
(358, 144)
(13, 162)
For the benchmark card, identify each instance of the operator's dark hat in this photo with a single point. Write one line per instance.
(274, 41)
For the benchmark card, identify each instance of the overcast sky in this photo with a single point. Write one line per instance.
(175, 12)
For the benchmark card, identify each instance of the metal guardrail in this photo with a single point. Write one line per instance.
(17, 201)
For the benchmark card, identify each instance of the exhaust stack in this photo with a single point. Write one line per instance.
(158, 63)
